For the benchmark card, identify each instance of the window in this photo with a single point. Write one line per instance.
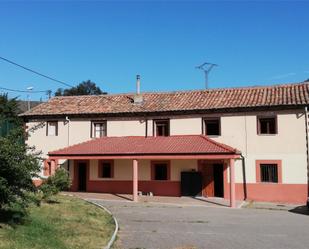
(161, 128)
(212, 126)
(106, 169)
(267, 125)
(160, 171)
(98, 129)
(52, 128)
(269, 172)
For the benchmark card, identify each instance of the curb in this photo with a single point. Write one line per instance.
(113, 238)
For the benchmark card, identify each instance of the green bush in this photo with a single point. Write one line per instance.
(60, 181)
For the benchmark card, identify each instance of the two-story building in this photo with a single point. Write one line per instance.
(235, 143)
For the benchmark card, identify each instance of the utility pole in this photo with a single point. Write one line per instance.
(206, 68)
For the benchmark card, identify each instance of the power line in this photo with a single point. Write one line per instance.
(35, 72)
(22, 91)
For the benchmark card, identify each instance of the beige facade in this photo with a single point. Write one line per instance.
(238, 130)
(123, 170)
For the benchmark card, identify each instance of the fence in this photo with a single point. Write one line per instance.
(5, 127)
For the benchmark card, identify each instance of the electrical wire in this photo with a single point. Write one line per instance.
(22, 91)
(35, 72)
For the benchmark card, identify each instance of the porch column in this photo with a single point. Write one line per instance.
(52, 167)
(135, 180)
(232, 184)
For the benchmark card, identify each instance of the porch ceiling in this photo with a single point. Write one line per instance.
(182, 147)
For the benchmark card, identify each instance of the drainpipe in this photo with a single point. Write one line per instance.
(146, 126)
(244, 179)
(307, 150)
(68, 122)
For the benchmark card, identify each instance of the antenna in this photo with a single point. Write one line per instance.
(206, 68)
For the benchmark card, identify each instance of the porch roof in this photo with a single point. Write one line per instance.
(185, 146)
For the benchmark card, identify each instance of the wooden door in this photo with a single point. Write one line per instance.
(208, 180)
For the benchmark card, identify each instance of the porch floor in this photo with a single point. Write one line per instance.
(167, 200)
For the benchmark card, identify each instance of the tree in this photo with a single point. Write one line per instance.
(8, 114)
(8, 108)
(307, 80)
(18, 162)
(84, 88)
(18, 165)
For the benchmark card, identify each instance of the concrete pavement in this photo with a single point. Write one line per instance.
(155, 225)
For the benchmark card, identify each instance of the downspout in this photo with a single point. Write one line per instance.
(146, 126)
(243, 162)
(68, 122)
(307, 149)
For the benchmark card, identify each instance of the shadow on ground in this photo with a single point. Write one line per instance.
(300, 210)
(11, 217)
(210, 201)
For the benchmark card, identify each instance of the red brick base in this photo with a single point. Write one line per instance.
(160, 188)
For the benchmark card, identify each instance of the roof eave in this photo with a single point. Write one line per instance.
(164, 156)
(26, 116)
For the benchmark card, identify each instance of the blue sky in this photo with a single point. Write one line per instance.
(254, 43)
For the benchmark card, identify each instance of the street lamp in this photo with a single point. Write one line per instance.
(29, 89)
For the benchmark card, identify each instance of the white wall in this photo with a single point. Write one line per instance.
(238, 130)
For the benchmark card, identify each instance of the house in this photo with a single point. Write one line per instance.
(235, 143)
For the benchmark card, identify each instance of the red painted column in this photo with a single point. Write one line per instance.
(232, 184)
(52, 167)
(135, 180)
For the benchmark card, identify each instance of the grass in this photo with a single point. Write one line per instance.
(66, 223)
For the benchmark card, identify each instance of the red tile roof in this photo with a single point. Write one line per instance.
(179, 145)
(212, 99)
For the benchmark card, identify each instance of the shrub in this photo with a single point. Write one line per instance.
(60, 181)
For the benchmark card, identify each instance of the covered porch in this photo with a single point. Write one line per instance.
(159, 166)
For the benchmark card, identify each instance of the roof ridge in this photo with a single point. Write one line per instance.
(189, 91)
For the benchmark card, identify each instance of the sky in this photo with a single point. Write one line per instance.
(110, 42)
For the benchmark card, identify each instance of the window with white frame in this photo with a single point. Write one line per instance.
(98, 129)
(52, 128)
(161, 128)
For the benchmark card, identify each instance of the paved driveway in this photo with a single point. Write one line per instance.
(169, 226)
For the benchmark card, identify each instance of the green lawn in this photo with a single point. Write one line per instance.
(68, 223)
